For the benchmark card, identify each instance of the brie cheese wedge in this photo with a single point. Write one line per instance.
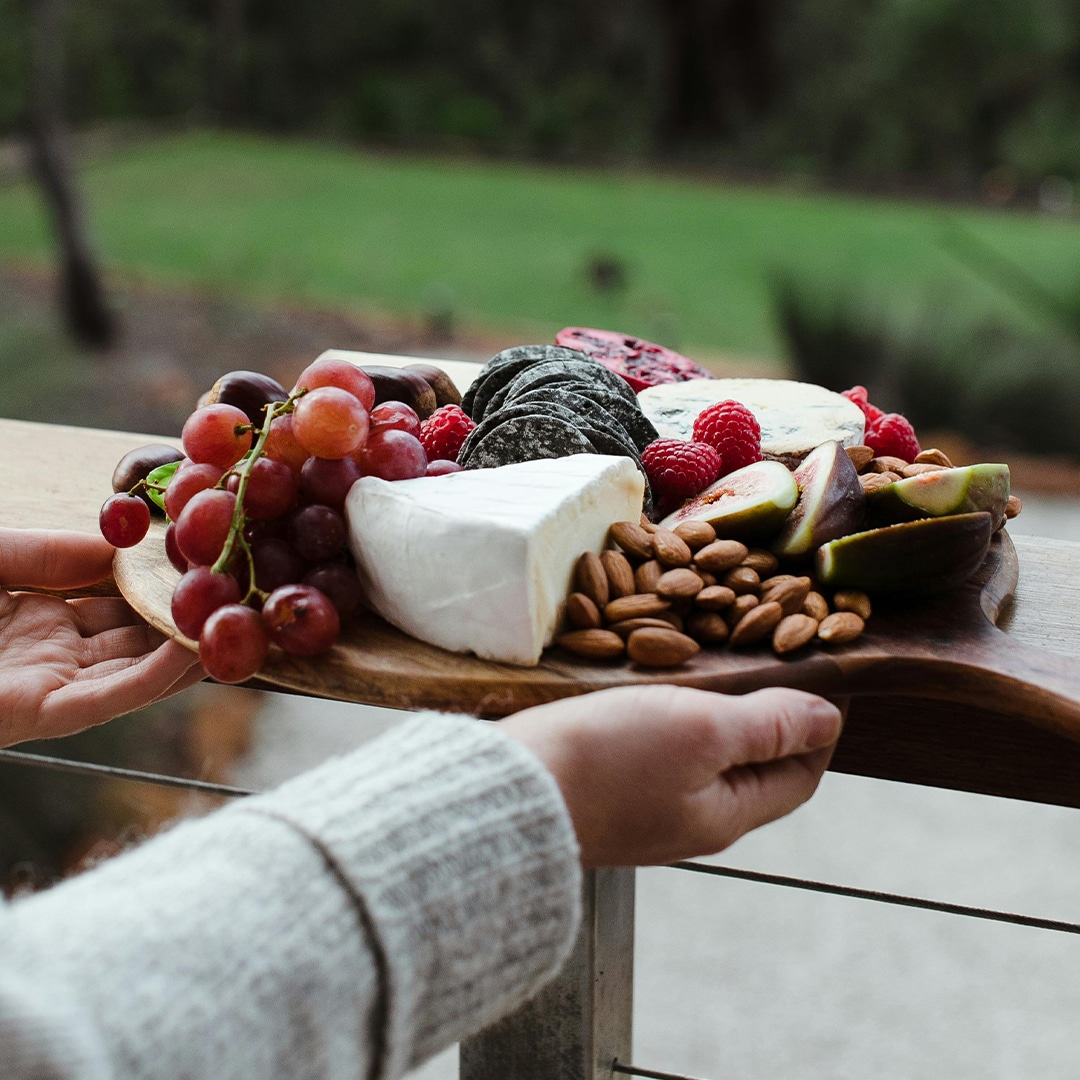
(481, 560)
(795, 417)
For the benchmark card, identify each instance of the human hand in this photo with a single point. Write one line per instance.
(69, 664)
(654, 774)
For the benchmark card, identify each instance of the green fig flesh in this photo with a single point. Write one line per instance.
(924, 556)
(831, 502)
(964, 490)
(752, 501)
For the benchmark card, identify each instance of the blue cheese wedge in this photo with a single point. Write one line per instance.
(794, 416)
(481, 561)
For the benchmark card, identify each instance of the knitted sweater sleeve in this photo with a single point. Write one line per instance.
(350, 924)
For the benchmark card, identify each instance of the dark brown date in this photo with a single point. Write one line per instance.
(136, 465)
(249, 391)
(400, 384)
(446, 391)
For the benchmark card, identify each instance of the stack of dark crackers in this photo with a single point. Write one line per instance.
(545, 401)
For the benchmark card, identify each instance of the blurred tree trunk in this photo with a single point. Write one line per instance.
(228, 45)
(86, 311)
(720, 67)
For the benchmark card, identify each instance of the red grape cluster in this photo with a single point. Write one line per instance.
(256, 513)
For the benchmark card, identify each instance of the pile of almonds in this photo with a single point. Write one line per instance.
(662, 594)
(878, 472)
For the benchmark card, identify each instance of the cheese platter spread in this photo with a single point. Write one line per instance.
(415, 532)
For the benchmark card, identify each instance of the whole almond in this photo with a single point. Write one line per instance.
(647, 575)
(918, 468)
(592, 644)
(696, 533)
(852, 600)
(788, 594)
(720, 555)
(652, 647)
(764, 563)
(591, 578)
(625, 628)
(707, 579)
(892, 477)
(680, 583)
(815, 605)
(739, 608)
(793, 632)
(633, 539)
(933, 456)
(756, 625)
(887, 463)
(840, 627)
(672, 618)
(776, 579)
(670, 549)
(620, 574)
(1013, 507)
(708, 627)
(861, 456)
(715, 598)
(741, 580)
(581, 612)
(634, 607)
(647, 525)
(873, 481)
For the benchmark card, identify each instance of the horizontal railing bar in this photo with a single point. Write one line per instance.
(88, 768)
(654, 1074)
(881, 897)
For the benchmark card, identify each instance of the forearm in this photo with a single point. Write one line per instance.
(352, 923)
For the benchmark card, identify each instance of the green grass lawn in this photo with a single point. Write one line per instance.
(509, 243)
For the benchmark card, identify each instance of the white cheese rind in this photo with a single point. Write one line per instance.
(481, 560)
(794, 416)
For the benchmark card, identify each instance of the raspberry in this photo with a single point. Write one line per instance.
(859, 395)
(733, 430)
(892, 435)
(678, 469)
(443, 432)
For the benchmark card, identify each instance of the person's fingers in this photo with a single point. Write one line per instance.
(52, 559)
(119, 643)
(116, 687)
(764, 793)
(94, 614)
(772, 724)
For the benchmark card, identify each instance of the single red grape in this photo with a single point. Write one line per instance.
(301, 620)
(124, 520)
(172, 549)
(339, 373)
(198, 594)
(327, 481)
(317, 532)
(329, 422)
(271, 489)
(281, 444)
(392, 455)
(276, 563)
(233, 643)
(340, 584)
(441, 467)
(217, 435)
(188, 480)
(203, 527)
(395, 414)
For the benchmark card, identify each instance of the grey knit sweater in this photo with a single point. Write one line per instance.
(350, 924)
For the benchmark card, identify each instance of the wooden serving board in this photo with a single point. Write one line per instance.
(947, 648)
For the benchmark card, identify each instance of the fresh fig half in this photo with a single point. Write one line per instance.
(924, 556)
(752, 501)
(831, 502)
(640, 363)
(963, 490)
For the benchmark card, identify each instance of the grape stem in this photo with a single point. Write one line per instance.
(236, 538)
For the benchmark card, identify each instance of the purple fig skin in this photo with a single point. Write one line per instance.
(831, 502)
